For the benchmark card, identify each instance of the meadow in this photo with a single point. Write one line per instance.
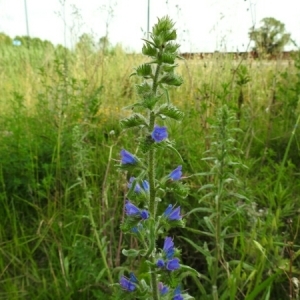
(62, 198)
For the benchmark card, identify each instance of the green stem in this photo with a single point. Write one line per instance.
(151, 175)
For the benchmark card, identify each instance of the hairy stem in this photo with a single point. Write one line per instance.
(151, 174)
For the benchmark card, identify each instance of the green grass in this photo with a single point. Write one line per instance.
(62, 198)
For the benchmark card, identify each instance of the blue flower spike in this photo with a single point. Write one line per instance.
(172, 214)
(127, 284)
(176, 174)
(127, 158)
(159, 134)
(163, 289)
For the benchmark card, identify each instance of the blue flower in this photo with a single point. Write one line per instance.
(133, 211)
(159, 134)
(128, 284)
(160, 263)
(177, 294)
(127, 158)
(172, 264)
(176, 174)
(163, 289)
(172, 214)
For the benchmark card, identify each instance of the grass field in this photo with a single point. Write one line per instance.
(62, 198)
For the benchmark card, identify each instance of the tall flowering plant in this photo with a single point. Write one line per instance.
(146, 190)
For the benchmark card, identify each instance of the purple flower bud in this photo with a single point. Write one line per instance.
(159, 134)
(127, 285)
(163, 289)
(145, 185)
(173, 264)
(131, 209)
(160, 263)
(176, 174)
(127, 158)
(144, 214)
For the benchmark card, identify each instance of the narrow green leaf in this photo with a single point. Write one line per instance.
(134, 121)
(172, 148)
(263, 286)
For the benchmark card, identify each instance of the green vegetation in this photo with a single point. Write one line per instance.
(62, 199)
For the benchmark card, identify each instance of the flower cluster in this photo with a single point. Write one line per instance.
(168, 261)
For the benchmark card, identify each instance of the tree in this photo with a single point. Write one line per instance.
(271, 37)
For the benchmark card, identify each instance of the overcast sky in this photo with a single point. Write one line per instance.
(202, 25)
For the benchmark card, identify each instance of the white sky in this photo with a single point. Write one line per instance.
(202, 25)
